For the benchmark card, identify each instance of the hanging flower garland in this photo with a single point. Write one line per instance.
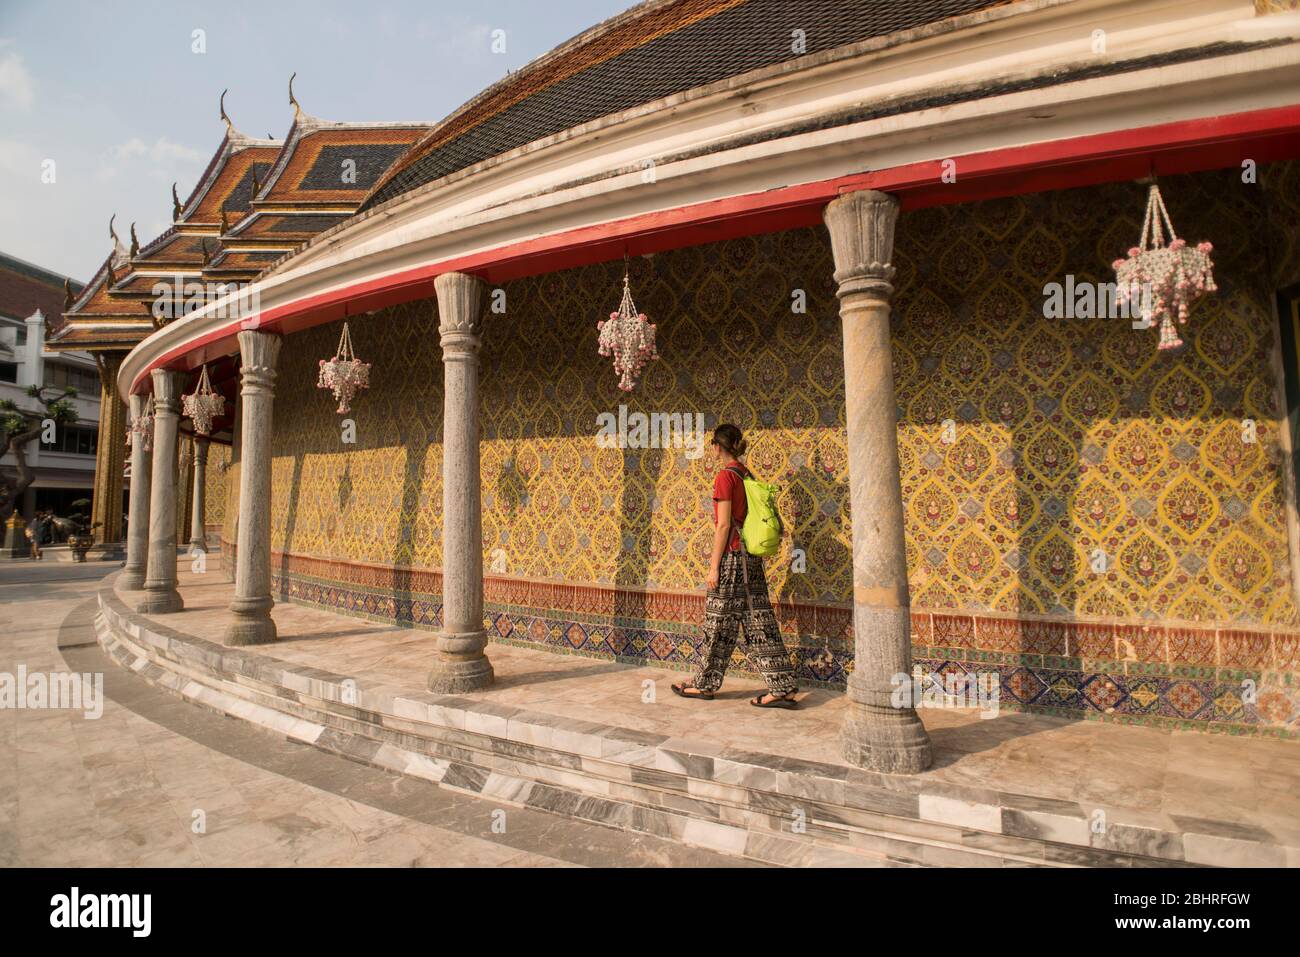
(345, 375)
(629, 337)
(141, 431)
(1165, 279)
(204, 405)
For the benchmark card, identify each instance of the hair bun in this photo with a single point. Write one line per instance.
(729, 438)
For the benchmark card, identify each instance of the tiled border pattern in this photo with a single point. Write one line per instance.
(1221, 680)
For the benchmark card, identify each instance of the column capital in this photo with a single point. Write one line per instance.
(139, 404)
(166, 392)
(861, 225)
(259, 354)
(460, 310)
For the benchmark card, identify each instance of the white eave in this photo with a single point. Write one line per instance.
(752, 133)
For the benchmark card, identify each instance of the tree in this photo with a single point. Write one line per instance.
(19, 427)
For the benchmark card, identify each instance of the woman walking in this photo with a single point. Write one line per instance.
(727, 608)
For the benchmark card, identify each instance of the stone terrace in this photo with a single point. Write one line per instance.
(1175, 796)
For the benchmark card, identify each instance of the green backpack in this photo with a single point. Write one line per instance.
(761, 532)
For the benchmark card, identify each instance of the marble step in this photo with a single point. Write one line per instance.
(763, 807)
(483, 774)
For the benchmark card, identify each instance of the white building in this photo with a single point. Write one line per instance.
(64, 468)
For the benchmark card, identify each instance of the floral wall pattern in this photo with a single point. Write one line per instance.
(1084, 513)
(1077, 444)
(1072, 438)
(214, 484)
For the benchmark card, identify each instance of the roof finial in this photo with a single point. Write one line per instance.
(257, 188)
(225, 226)
(176, 204)
(293, 100)
(135, 243)
(112, 233)
(207, 257)
(230, 127)
(68, 297)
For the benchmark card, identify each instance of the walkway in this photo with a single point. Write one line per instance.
(125, 789)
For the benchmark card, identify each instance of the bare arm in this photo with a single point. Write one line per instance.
(721, 537)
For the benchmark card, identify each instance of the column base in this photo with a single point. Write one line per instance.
(252, 624)
(250, 631)
(160, 600)
(889, 740)
(461, 664)
(131, 579)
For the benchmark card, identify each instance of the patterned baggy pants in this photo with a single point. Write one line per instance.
(726, 613)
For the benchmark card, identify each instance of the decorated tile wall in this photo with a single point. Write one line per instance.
(1066, 440)
(1088, 475)
(214, 484)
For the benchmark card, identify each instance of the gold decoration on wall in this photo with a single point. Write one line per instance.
(1069, 441)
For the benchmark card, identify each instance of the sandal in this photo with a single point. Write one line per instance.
(782, 701)
(681, 689)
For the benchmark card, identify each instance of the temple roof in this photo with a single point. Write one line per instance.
(261, 200)
(652, 51)
(257, 201)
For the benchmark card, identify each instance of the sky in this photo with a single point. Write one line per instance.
(113, 102)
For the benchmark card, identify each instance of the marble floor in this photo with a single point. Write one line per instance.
(156, 781)
(1248, 781)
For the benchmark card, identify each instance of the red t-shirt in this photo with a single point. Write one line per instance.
(729, 485)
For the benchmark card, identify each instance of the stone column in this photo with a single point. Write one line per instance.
(252, 604)
(185, 489)
(160, 594)
(461, 664)
(137, 531)
(880, 732)
(110, 456)
(198, 513)
(230, 533)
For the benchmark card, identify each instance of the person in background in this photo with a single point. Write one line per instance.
(36, 531)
